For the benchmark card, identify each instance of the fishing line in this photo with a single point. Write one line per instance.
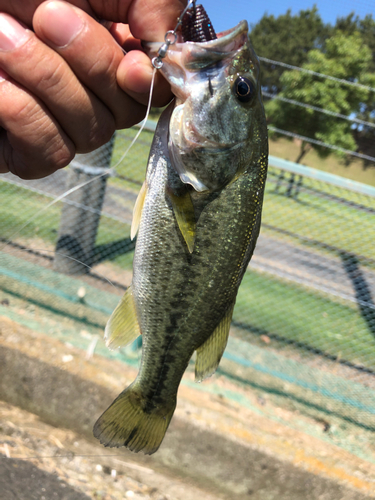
(106, 171)
(79, 186)
(170, 39)
(157, 64)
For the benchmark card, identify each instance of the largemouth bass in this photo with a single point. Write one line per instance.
(199, 214)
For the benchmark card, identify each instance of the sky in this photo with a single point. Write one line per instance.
(225, 14)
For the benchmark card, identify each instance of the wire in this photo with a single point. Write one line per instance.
(320, 110)
(321, 143)
(322, 75)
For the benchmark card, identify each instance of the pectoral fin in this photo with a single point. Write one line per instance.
(209, 354)
(137, 210)
(122, 327)
(184, 212)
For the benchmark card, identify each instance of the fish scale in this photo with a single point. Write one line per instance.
(198, 218)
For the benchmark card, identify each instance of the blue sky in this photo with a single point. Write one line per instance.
(225, 14)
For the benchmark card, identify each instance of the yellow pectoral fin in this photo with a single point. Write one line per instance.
(137, 210)
(184, 212)
(122, 327)
(209, 354)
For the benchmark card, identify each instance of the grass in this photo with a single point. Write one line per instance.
(19, 225)
(17, 208)
(264, 303)
(356, 170)
(134, 164)
(268, 305)
(324, 220)
(282, 148)
(329, 223)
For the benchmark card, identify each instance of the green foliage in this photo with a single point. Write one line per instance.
(364, 136)
(366, 28)
(344, 57)
(288, 39)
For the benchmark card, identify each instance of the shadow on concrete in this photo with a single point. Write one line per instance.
(21, 480)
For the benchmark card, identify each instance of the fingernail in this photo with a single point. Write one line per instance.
(60, 23)
(12, 33)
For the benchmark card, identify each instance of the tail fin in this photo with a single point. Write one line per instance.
(127, 423)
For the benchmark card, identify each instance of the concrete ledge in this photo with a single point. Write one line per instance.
(212, 442)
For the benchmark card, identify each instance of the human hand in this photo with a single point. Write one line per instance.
(67, 87)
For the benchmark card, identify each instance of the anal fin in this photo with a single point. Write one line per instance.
(210, 353)
(122, 327)
(137, 210)
(185, 216)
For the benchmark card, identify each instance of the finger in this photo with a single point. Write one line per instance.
(122, 34)
(24, 10)
(35, 66)
(135, 71)
(148, 20)
(32, 144)
(91, 53)
(134, 76)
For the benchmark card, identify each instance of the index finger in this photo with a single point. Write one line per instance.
(148, 19)
(23, 10)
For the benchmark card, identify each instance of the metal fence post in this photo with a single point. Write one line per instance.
(81, 212)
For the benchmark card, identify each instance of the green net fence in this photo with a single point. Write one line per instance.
(304, 324)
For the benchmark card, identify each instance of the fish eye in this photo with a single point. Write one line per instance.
(244, 89)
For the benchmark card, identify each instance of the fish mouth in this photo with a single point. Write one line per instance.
(198, 55)
(184, 61)
(227, 36)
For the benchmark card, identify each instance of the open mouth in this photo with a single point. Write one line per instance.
(202, 54)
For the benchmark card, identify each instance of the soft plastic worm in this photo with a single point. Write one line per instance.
(196, 25)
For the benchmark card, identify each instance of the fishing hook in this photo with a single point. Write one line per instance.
(170, 38)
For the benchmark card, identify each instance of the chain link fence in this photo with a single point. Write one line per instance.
(304, 323)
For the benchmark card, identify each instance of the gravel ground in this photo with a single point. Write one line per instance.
(41, 462)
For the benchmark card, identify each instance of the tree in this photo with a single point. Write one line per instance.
(344, 57)
(364, 135)
(366, 28)
(288, 39)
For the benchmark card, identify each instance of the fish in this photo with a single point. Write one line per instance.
(198, 217)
